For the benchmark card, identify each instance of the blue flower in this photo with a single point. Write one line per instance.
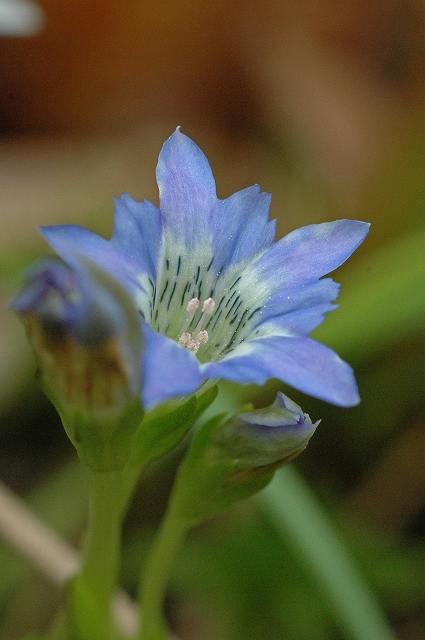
(86, 333)
(278, 433)
(217, 296)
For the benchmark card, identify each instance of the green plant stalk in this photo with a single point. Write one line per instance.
(102, 545)
(109, 495)
(156, 573)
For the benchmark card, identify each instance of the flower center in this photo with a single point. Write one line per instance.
(207, 309)
(200, 335)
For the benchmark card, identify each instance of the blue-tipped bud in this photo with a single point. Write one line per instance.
(87, 337)
(275, 434)
(234, 459)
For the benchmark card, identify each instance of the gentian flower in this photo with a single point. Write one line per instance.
(217, 296)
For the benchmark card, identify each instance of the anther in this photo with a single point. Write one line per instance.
(208, 306)
(192, 306)
(191, 309)
(185, 339)
(202, 337)
(193, 345)
(193, 341)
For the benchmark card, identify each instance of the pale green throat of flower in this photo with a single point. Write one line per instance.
(206, 310)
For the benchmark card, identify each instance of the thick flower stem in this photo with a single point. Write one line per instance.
(101, 554)
(156, 573)
(101, 551)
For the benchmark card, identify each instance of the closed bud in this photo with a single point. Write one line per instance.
(87, 338)
(275, 434)
(234, 459)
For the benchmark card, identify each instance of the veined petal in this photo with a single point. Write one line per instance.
(299, 310)
(241, 227)
(306, 254)
(169, 370)
(299, 361)
(300, 322)
(187, 190)
(137, 233)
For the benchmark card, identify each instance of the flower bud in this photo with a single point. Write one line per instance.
(87, 338)
(231, 460)
(275, 434)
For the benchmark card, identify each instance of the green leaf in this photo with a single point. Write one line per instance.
(301, 520)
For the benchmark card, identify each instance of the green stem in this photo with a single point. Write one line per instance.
(102, 545)
(156, 574)
(89, 615)
(109, 493)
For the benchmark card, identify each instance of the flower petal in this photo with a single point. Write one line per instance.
(310, 252)
(241, 226)
(264, 436)
(72, 242)
(299, 310)
(299, 361)
(137, 233)
(169, 370)
(186, 189)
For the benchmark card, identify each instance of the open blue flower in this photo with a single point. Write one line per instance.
(217, 296)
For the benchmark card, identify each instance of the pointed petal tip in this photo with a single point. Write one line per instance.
(178, 136)
(187, 191)
(50, 231)
(358, 228)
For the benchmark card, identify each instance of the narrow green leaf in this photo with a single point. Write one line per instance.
(300, 518)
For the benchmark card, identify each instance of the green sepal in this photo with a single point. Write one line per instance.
(103, 443)
(208, 482)
(165, 427)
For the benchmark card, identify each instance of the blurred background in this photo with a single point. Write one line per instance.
(323, 104)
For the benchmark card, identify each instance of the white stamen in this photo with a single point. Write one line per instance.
(192, 306)
(208, 306)
(193, 345)
(202, 337)
(185, 339)
(191, 309)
